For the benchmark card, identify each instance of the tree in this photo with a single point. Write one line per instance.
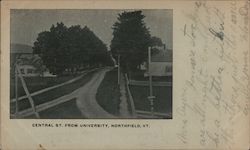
(64, 48)
(131, 39)
(51, 48)
(76, 48)
(155, 41)
(96, 49)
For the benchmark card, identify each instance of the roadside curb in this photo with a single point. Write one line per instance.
(131, 100)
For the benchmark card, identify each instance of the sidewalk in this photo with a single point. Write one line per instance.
(124, 112)
(125, 98)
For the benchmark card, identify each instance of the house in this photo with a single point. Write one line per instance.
(160, 63)
(20, 52)
(27, 61)
(28, 70)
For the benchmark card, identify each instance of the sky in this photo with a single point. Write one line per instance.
(26, 24)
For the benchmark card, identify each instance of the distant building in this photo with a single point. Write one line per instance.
(46, 73)
(21, 52)
(26, 60)
(28, 70)
(164, 55)
(160, 64)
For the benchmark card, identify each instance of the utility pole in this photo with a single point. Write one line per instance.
(119, 69)
(150, 97)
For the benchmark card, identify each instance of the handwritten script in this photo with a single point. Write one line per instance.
(216, 92)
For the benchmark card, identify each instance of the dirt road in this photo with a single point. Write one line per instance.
(86, 100)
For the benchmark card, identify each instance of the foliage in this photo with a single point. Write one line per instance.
(131, 39)
(155, 41)
(70, 48)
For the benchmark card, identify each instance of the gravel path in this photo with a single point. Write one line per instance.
(86, 100)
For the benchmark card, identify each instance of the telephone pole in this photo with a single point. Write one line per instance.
(150, 97)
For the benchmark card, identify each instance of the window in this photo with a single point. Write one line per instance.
(29, 71)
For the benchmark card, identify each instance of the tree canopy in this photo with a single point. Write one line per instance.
(131, 38)
(70, 48)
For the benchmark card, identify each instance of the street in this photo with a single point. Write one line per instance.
(86, 99)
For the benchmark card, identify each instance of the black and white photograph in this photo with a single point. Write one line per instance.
(124, 75)
(91, 63)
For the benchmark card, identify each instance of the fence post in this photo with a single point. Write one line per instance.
(16, 89)
(27, 93)
(150, 97)
(133, 111)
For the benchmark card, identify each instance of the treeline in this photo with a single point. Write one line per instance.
(70, 49)
(131, 39)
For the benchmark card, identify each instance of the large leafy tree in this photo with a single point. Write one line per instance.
(76, 45)
(131, 39)
(70, 48)
(96, 49)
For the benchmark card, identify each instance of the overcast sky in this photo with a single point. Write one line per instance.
(26, 24)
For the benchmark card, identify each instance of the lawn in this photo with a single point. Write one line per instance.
(54, 93)
(139, 75)
(108, 93)
(36, 83)
(67, 110)
(162, 102)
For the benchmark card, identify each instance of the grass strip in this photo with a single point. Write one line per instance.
(162, 102)
(37, 83)
(66, 110)
(108, 93)
(139, 76)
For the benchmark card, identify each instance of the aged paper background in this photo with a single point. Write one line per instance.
(210, 83)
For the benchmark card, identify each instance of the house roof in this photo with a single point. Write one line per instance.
(20, 48)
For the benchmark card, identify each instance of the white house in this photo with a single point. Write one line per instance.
(160, 64)
(26, 59)
(28, 70)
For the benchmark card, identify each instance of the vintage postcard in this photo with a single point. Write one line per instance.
(143, 74)
(91, 63)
